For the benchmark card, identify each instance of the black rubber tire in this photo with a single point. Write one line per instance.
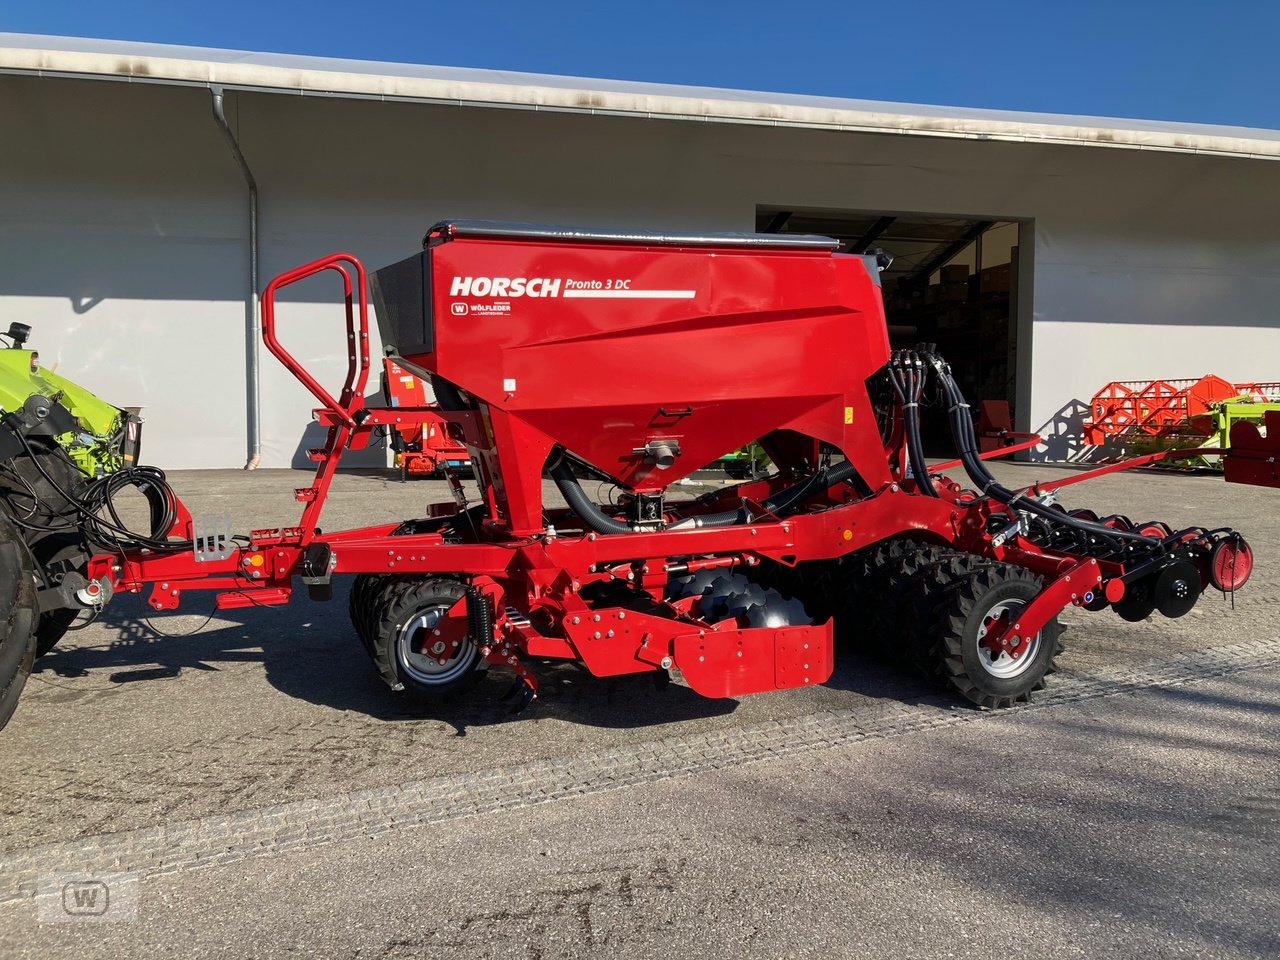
(18, 613)
(861, 590)
(891, 642)
(51, 508)
(960, 618)
(924, 594)
(361, 606)
(399, 602)
(52, 627)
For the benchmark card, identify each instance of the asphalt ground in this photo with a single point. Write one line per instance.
(272, 795)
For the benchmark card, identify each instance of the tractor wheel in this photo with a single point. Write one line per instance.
(53, 626)
(37, 503)
(18, 614)
(406, 612)
(972, 621)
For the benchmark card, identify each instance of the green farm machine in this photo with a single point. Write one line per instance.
(58, 454)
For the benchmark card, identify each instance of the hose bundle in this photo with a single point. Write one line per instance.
(907, 374)
(966, 441)
(779, 503)
(94, 512)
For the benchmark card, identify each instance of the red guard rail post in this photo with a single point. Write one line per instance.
(352, 396)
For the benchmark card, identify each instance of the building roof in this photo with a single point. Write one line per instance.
(365, 79)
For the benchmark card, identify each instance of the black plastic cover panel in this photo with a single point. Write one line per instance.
(448, 229)
(402, 299)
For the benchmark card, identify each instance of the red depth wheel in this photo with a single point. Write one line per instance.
(1230, 564)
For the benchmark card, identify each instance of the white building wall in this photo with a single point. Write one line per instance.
(123, 232)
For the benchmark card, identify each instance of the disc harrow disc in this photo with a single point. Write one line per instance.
(691, 584)
(737, 604)
(714, 605)
(1138, 602)
(1177, 588)
(777, 612)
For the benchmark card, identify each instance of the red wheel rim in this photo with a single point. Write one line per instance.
(1230, 564)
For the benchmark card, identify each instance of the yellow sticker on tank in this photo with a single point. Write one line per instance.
(848, 415)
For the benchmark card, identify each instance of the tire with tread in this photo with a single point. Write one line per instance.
(922, 596)
(18, 616)
(398, 603)
(50, 509)
(959, 624)
(361, 605)
(891, 641)
(861, 589)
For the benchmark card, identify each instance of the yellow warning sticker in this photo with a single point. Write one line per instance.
(848, 415)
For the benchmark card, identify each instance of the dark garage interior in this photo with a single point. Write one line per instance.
(952, 282)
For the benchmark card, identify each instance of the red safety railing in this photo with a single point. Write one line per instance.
(351, 399)
(345, 411)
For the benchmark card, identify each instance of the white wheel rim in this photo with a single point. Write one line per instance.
(1001, 664)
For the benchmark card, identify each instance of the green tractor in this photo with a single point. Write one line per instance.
(59, 446)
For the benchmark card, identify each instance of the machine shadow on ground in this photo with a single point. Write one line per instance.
(313, 655)
(1048, 851)
(319, 660)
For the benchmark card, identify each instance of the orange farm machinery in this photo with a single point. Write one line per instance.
(641, 358)
(1166, 410)
(423, 447)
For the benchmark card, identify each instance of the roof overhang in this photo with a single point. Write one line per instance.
(457, 86)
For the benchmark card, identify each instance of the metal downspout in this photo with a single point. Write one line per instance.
(252, 319)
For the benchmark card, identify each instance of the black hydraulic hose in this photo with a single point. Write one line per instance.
(580, 503)
(967, 445)
(783, 499)
(99, 496)
(591, 515)
(822, 480)
(906, 374)
(727, 519)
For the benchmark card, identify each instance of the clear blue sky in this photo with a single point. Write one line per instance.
(1214, 62)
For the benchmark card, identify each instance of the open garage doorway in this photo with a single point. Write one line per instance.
(954, 281)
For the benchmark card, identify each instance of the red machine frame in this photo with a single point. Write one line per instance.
(535, 578)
